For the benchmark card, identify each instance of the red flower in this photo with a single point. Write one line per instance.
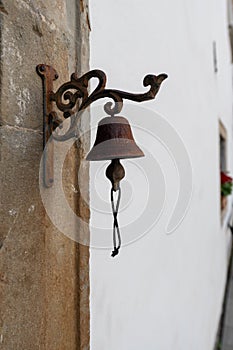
(225, 178)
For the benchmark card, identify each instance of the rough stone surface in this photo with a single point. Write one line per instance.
(44, 276)
(22, 240)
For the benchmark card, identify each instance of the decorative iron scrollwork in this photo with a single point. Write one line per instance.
(74, 96)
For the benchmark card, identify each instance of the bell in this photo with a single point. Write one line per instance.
(114, 140)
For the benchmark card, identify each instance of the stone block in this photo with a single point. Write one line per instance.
(22, 240)
(27, 40)
(44, 283)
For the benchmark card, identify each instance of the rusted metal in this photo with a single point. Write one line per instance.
(115, 172)
(73, 96)
(114, 140)
(48, 75)
(77, 89)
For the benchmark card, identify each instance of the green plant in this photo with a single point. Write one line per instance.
(226, 184)
(226, 188)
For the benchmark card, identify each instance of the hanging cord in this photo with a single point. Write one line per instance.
(116, 230)
(115, 173)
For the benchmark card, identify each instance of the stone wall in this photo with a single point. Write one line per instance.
(44, 281)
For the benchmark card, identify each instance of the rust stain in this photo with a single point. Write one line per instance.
(82, 5)
(2, 8)
(88, 21)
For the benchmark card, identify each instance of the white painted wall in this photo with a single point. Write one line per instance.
(163, 292)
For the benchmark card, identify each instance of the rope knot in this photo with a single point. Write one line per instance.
(115, 252)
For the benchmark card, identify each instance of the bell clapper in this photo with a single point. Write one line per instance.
(115, 173)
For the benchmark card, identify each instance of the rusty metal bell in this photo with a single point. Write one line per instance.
(114, 140)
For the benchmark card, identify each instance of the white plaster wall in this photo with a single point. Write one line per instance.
(164, 291)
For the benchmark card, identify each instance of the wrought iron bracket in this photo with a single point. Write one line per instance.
(74, 96)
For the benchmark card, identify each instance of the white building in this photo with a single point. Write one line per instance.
(165, 291)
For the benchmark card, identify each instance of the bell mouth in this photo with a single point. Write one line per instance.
(115, 149)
